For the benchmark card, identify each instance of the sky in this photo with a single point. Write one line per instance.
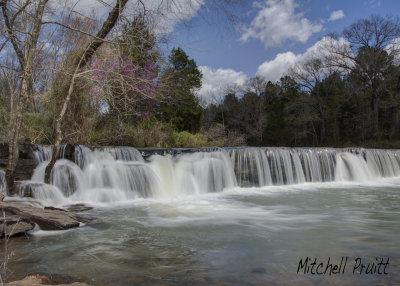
(270, 38)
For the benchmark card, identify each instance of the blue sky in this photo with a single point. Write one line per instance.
(272, 36)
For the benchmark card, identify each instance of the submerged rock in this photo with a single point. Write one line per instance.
(79, 208)
(48, 279)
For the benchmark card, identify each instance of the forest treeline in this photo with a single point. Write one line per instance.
(130, 93)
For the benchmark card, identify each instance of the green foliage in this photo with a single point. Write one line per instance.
(185, 139)
(179, 105)
(138, 42)
(35, 128)
(359, 107)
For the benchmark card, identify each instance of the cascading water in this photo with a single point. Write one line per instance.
(46, 194)
(287, 166)
(113, 174)
(42, 153)
(283, 166)
(123, 153)
(196, 173)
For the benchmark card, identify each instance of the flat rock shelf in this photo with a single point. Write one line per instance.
(18, 218)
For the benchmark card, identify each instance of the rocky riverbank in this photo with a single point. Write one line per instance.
(48, 279)
(18, 218)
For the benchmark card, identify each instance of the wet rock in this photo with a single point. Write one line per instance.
(12, 225)
(147, 152)
(259, 270)
(68, 152)
(24, 169)
(26, 160)
(47, 219)
(48, 279)
(22, 189)
(3, 150)
(79, 208)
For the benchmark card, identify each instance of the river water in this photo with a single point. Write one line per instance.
(242, 216)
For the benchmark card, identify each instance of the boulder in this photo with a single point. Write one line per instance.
(77, 208)
(24, 169)
(48, 279)
(46, 219)
(68, 153)
(12, 225)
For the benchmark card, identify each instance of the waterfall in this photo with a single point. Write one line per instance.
(287, 166)
(47, 194)
(251, 165)
(123, 153)
(353, 167)
(42, 153)
(194, 173)
(282, 166)
(117, 174)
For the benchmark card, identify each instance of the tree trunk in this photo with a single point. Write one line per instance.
(15, 127)
(26, 84)
(375, 103)
(59, 136)
(81, 63)
(323, 130)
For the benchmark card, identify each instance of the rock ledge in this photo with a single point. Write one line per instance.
(47, 218)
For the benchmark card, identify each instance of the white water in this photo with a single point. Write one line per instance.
(236, 216)
(120, 174)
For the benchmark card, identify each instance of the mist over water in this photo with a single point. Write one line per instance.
(228, 216)
(112, 174)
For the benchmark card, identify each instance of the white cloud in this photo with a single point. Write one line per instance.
(216, 82)
(336, 15)
(277, 22)
(274, 69)
(372, 3)
(394, 49)
(164, 15)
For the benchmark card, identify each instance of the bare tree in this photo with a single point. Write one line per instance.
(24, 44)
(368, 50)
(80, 63)
(34, 39)
(309, 74)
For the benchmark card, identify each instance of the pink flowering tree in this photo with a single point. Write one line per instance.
(124, 88)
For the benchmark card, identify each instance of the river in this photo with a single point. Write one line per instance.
(236, 216)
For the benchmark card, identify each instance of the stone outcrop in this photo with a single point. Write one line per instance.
(46, 219)
(26, 162)
(12, 225)
(48, 279)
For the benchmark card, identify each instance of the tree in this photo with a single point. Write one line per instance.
(24, 45)
(310, 73)
(181, 106)
(82, 60)
(369, 52)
